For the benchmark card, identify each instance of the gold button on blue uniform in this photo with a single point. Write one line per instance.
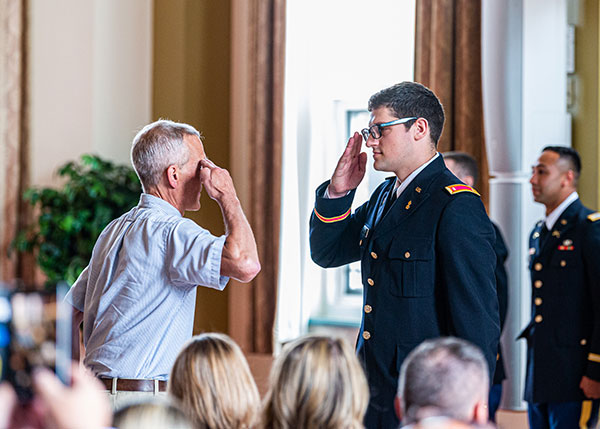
(368, 308)
(538, 318)
(370, 281)
(366, 335)
(537, 267)
(374, 255)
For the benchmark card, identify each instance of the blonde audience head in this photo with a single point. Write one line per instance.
(153, 414)
(317, 381)
(212, 381)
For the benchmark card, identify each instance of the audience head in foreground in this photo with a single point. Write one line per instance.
(212, 381)
(157, 414)
(444, 377)
(316, 382)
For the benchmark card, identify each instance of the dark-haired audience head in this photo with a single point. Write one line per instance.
(411, 99)
(444, 377)
(156, 414)
(463, 166)
(212, 382)
(316, 382)
(555, 175)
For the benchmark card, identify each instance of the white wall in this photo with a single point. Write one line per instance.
(90, 77)
(524, 54)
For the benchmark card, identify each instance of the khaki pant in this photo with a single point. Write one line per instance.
(121, 399)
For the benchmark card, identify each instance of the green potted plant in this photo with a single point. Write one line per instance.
(71, 218)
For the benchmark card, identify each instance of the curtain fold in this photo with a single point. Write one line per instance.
(14, 157)
(257, 158)
(448, 60)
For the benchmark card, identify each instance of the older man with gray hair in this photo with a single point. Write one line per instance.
(441, 380)
(137, 295)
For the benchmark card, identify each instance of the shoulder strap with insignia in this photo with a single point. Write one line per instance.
(458, 188)
(594, 217)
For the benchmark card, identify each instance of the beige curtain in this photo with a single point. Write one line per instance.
(256, 148)
(13, 135)
(448, 60)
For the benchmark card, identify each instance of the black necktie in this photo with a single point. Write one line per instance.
(390, 200)
(544, 234)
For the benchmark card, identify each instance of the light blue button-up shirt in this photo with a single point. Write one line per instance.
(138, 292)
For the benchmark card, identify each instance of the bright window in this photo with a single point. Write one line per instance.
(338, 53)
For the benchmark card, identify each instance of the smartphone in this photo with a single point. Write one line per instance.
(35, 331)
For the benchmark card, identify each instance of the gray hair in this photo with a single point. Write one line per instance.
(445, 376)
(158, 145)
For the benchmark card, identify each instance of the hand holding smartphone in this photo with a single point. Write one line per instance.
(35, 331)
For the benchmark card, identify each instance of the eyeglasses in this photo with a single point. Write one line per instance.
(376, 129)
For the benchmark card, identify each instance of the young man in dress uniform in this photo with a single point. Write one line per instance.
(563, 360)
(425, 243)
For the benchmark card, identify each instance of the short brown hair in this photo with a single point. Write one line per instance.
(407, 99)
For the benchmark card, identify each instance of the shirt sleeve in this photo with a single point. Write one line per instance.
(194, 256)
(76, 295)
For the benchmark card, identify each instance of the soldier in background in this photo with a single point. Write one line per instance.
(465, 168)
(563, 360)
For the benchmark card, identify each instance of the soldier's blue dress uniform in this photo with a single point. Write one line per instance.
(564, 333)
(427, 271)
(502, 292)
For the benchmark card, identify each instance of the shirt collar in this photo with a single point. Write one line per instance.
(401, 186)
(557, 212)
(151, 202)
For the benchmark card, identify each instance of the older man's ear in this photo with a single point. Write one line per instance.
(173, 176)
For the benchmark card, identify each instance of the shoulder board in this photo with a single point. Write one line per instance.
(458, 188)
(594, 217)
